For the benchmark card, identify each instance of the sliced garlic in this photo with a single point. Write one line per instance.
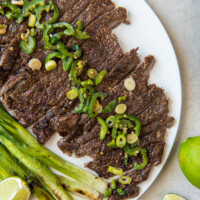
(121, 108)
(129, 84)
(3, 29)
(35, 64)
(20, 2)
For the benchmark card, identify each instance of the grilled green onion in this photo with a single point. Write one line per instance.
(115, 170)
(121, 141)
(125, 180)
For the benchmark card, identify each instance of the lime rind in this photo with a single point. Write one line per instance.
(189, 159)
(172, 196)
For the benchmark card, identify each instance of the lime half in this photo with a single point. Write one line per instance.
(173, 197)
(14, 189)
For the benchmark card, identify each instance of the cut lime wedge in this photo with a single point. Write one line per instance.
(173, 197)
(14, 189)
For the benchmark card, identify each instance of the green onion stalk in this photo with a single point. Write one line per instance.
(9, 167)
(29, 145)
(39, 169)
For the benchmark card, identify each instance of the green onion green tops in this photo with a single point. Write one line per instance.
(104, 128)
(115, 170)
(108, 192)
(91, 73)
(121, 141)
(99, 77)
(125, 180)
(113, 184)
(72, 94)
(122, 98)
(112, 144)
(110, 121)
(120, 191)
(50, 65)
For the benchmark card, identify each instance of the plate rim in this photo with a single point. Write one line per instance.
(163, 163)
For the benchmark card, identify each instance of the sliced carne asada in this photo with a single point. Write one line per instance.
(76, 10)
(9, 57)
(93, 11)
(108, 20)
(156, 106)
(65, 5)
(128, 62)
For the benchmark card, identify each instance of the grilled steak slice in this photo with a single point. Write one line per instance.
(9, 46)
(12, 29)
(150, 105)
(94, 10)
(128, 62)
(75, 10)
(65, 5)
(119, 90)
(110, 20)
(8, 58)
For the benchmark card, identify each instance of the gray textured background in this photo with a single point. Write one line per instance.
(181, 19)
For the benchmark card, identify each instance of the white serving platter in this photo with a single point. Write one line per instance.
(146, 32)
